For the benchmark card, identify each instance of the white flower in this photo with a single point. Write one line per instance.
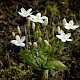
(25, 13)
(70, 25)
(64, 37)
(37, 18)
(18, 41)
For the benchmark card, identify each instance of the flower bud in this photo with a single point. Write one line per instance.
(46, 42)
(30, 43)
(13, 34)
(19, 31)
(52, 31)
(28, 22)
(39, 39)
(64, 21)
(33, 26)
(46, 21)
(34, 44)
(58, 29)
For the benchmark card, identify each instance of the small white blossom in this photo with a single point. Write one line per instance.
(64, 37)
(70, 25)
(37, 18)
(18, 41)
(25, 13)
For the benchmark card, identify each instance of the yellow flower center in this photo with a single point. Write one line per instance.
(38, 16)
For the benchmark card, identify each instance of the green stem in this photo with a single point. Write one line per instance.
(37, 26)
(26, 33)
(44, 30)
(37, 29)
(45, 75)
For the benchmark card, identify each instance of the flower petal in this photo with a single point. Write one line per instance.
(34, 20)
(67, 26)
(17, 44)
(58, 36)
(22, 10)
(22, 39)
(46, 21)
(62, 33)
(38, 15)
(69, 39)
(68, 35)
(41, 21)
(22, 44)
(29, 10)
(71, 22)
(13, 41)
(44, 17)
(17, 38)
(33, 16)
(74, 27)
(63, 40)
(21, 14)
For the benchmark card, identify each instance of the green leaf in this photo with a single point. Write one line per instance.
(28, 57)
(49, 65)
(31, 61)
(56, 65)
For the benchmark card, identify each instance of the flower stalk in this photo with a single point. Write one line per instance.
(45, 75)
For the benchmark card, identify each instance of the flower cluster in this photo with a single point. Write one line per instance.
(43, 20)
(34, 18)
(40, 54)
(65, 37)
(18, 41)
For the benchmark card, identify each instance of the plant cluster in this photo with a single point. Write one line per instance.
(41, 44)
